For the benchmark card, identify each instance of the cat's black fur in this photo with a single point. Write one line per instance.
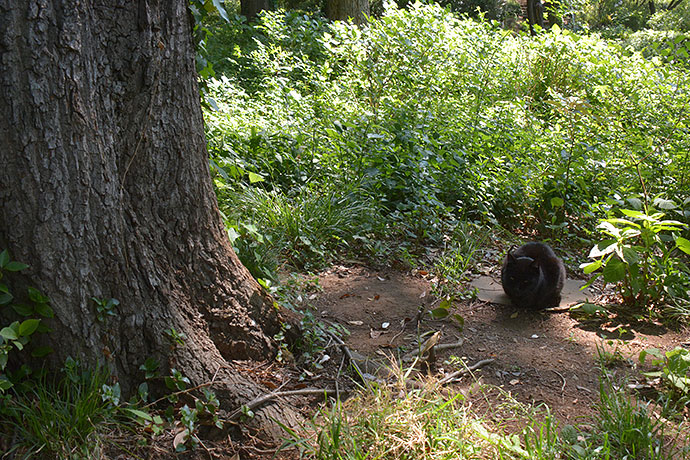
(533, 276)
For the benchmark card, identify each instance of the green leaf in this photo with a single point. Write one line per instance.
(221, 10)
(652, 374)
(27, 327)
(140, 414)
(632, 213)
(664, 204)
(44, 310)
(591, 267)
(4, 383)
(603, 248)
(4, 258)
(232, 235)
(557, 202)
(40, 352)
(36, 296)
(630, 256)
(438, 313)
(15, 266)
(589, 308)
(332, 133)
(8, 333)
(683, 244)
(652, 352)
(254, 178)
(614, 271)
(627, 222)
(6, 298)
(445, 303)
(22, 309)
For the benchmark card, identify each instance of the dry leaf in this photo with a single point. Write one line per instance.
(180, 438)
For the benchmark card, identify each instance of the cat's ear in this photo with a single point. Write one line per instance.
(511, 257)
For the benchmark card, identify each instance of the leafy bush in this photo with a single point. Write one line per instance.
(670, 45)
(436, 119)
(676, 19)
(674, 372)
(15, 336)
(641, 256)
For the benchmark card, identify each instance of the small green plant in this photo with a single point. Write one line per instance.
(105, 308)
(674, 371)
(16, 335)
(176, 338)
(639, 256)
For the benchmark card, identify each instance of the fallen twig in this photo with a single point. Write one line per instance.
(453, 375)
(263, 399)
(437, 348)
(562, 378)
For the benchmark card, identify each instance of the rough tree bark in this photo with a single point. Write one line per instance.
(342, 10)
(535, 15)
(105, 191)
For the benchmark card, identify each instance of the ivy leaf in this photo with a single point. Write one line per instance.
(8, 333)
(36, 296)
(28, 327)
(44, 310)
(23, 309)
(5, 298)
(15, 266)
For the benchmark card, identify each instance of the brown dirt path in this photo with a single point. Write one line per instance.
(539, 357)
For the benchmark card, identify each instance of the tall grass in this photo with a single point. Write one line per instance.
(66, 419)
(425, 421)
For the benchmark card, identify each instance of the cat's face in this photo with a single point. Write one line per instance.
(523, 274)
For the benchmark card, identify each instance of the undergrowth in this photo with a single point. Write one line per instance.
(336, 141)
(431, 422)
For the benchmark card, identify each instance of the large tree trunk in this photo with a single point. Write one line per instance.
(251, 8)
(105, 191)
(342, 10)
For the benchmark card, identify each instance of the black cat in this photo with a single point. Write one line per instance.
(533, 276)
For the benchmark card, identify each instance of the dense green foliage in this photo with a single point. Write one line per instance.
(325, 136)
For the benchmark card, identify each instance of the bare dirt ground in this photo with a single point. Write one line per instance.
(538, 357)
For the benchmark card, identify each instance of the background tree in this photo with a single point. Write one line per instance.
(252, 8)
(106, 193)
(342, 10)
